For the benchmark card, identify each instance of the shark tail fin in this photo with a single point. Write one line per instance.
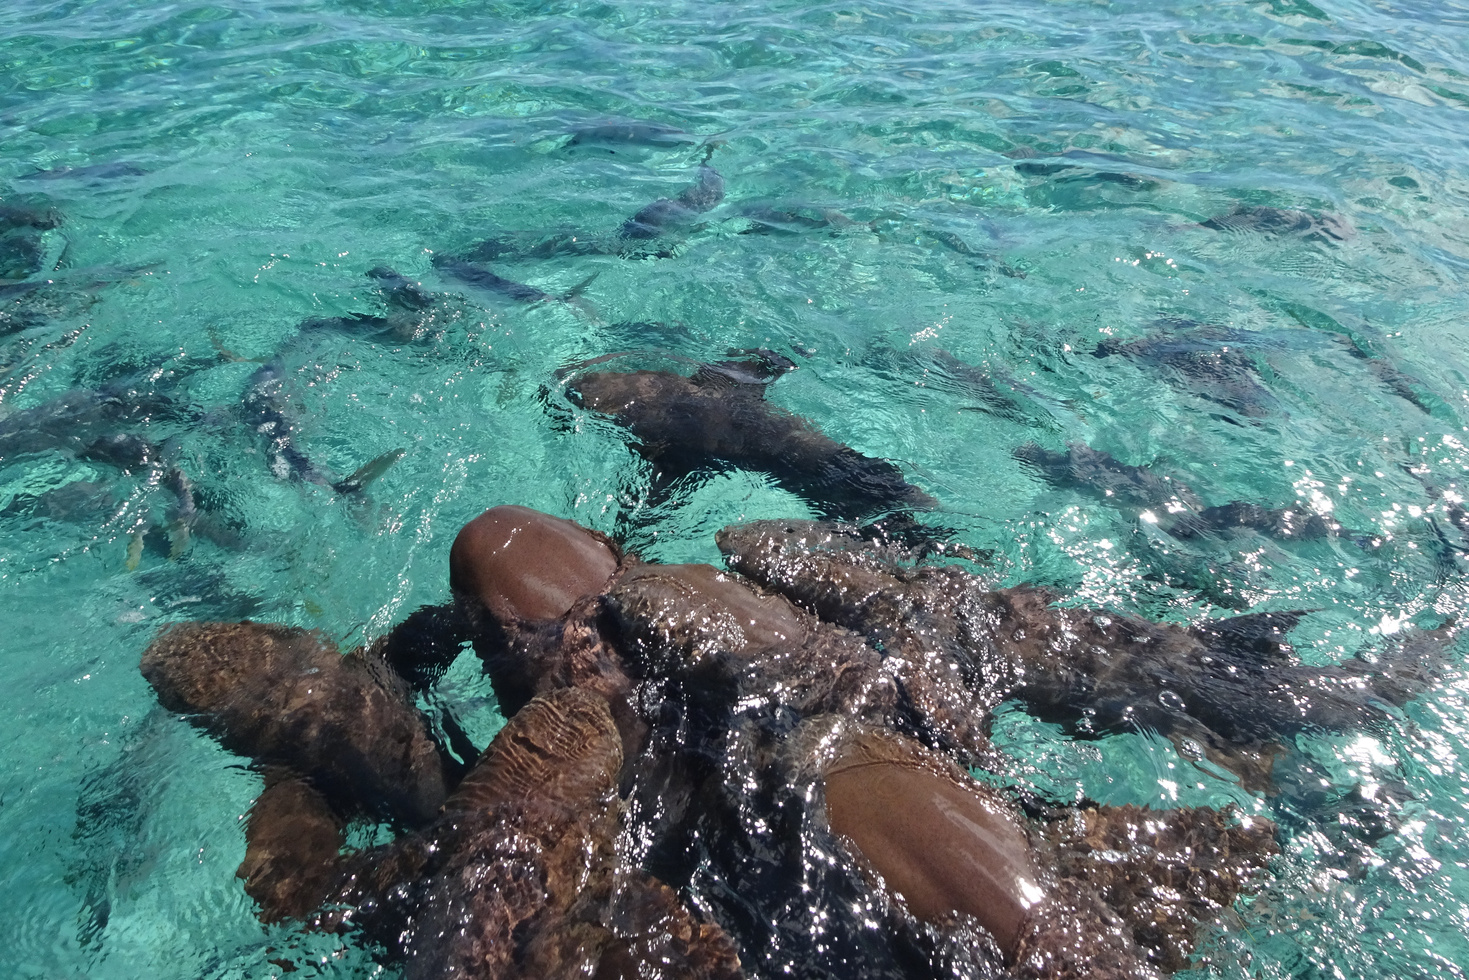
(574, 298)
(368, 472)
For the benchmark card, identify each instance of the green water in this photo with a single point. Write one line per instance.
(287, 148)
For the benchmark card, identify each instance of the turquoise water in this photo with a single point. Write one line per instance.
(1001, 186)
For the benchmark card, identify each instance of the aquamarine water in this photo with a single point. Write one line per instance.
(1005, 185)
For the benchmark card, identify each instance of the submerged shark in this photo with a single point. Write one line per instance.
(103, 425)
(719, 417)
(649, 233)
(1182, 512)
(678, 213)
(1206, 360)
(1282, 223)
(481, 278)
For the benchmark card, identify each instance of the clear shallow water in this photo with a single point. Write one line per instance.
(288, 148)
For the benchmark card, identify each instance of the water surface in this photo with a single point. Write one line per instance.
(1001, 187)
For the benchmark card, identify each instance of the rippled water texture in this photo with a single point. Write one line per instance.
(943, 212)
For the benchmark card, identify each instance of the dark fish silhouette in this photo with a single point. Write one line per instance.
(619, 137)
(21, 255)
(407, 316)
(400, 291)
(1076, 173)
(540, 245)
(115, 806)
(25, 216)
(669, 215)
(23, 247)
(94, 171)
(268, 410)
(60, 295)
(954, 243)
(87, 421)
(103, 424)
(787, 219)
(1282, 222)
(1404, 385)
(719, 417)
(1286, 523)
(482, 278)
(1080, 466)
(1208, 361)
(638, 237)
(1180, 511)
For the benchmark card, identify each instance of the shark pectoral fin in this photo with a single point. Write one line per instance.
(368, 472)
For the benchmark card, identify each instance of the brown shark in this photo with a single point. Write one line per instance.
(719, 417)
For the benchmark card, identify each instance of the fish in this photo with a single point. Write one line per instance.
(1232, 687)
(14, 216)
(77, 424)
(540, 245)
(776, 776)
(116, 804)
(676, 214)
(766, 219)
(1281, 223)
(88, 420)
(24, 246)
(1208, 361)
(1081, 466)
(1399, 382)
(997, 392)
(21, 256)
(287, 696)
(407, 317)
(636, 238)
(400, 291)
(94, 171)
(513, 874)
(949, 843)
(619, 137)
(795, 736)
(1128, 180)
(482, 278)
(719, 417)
(1179, 510)
(1285, 523)
(267, 409)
